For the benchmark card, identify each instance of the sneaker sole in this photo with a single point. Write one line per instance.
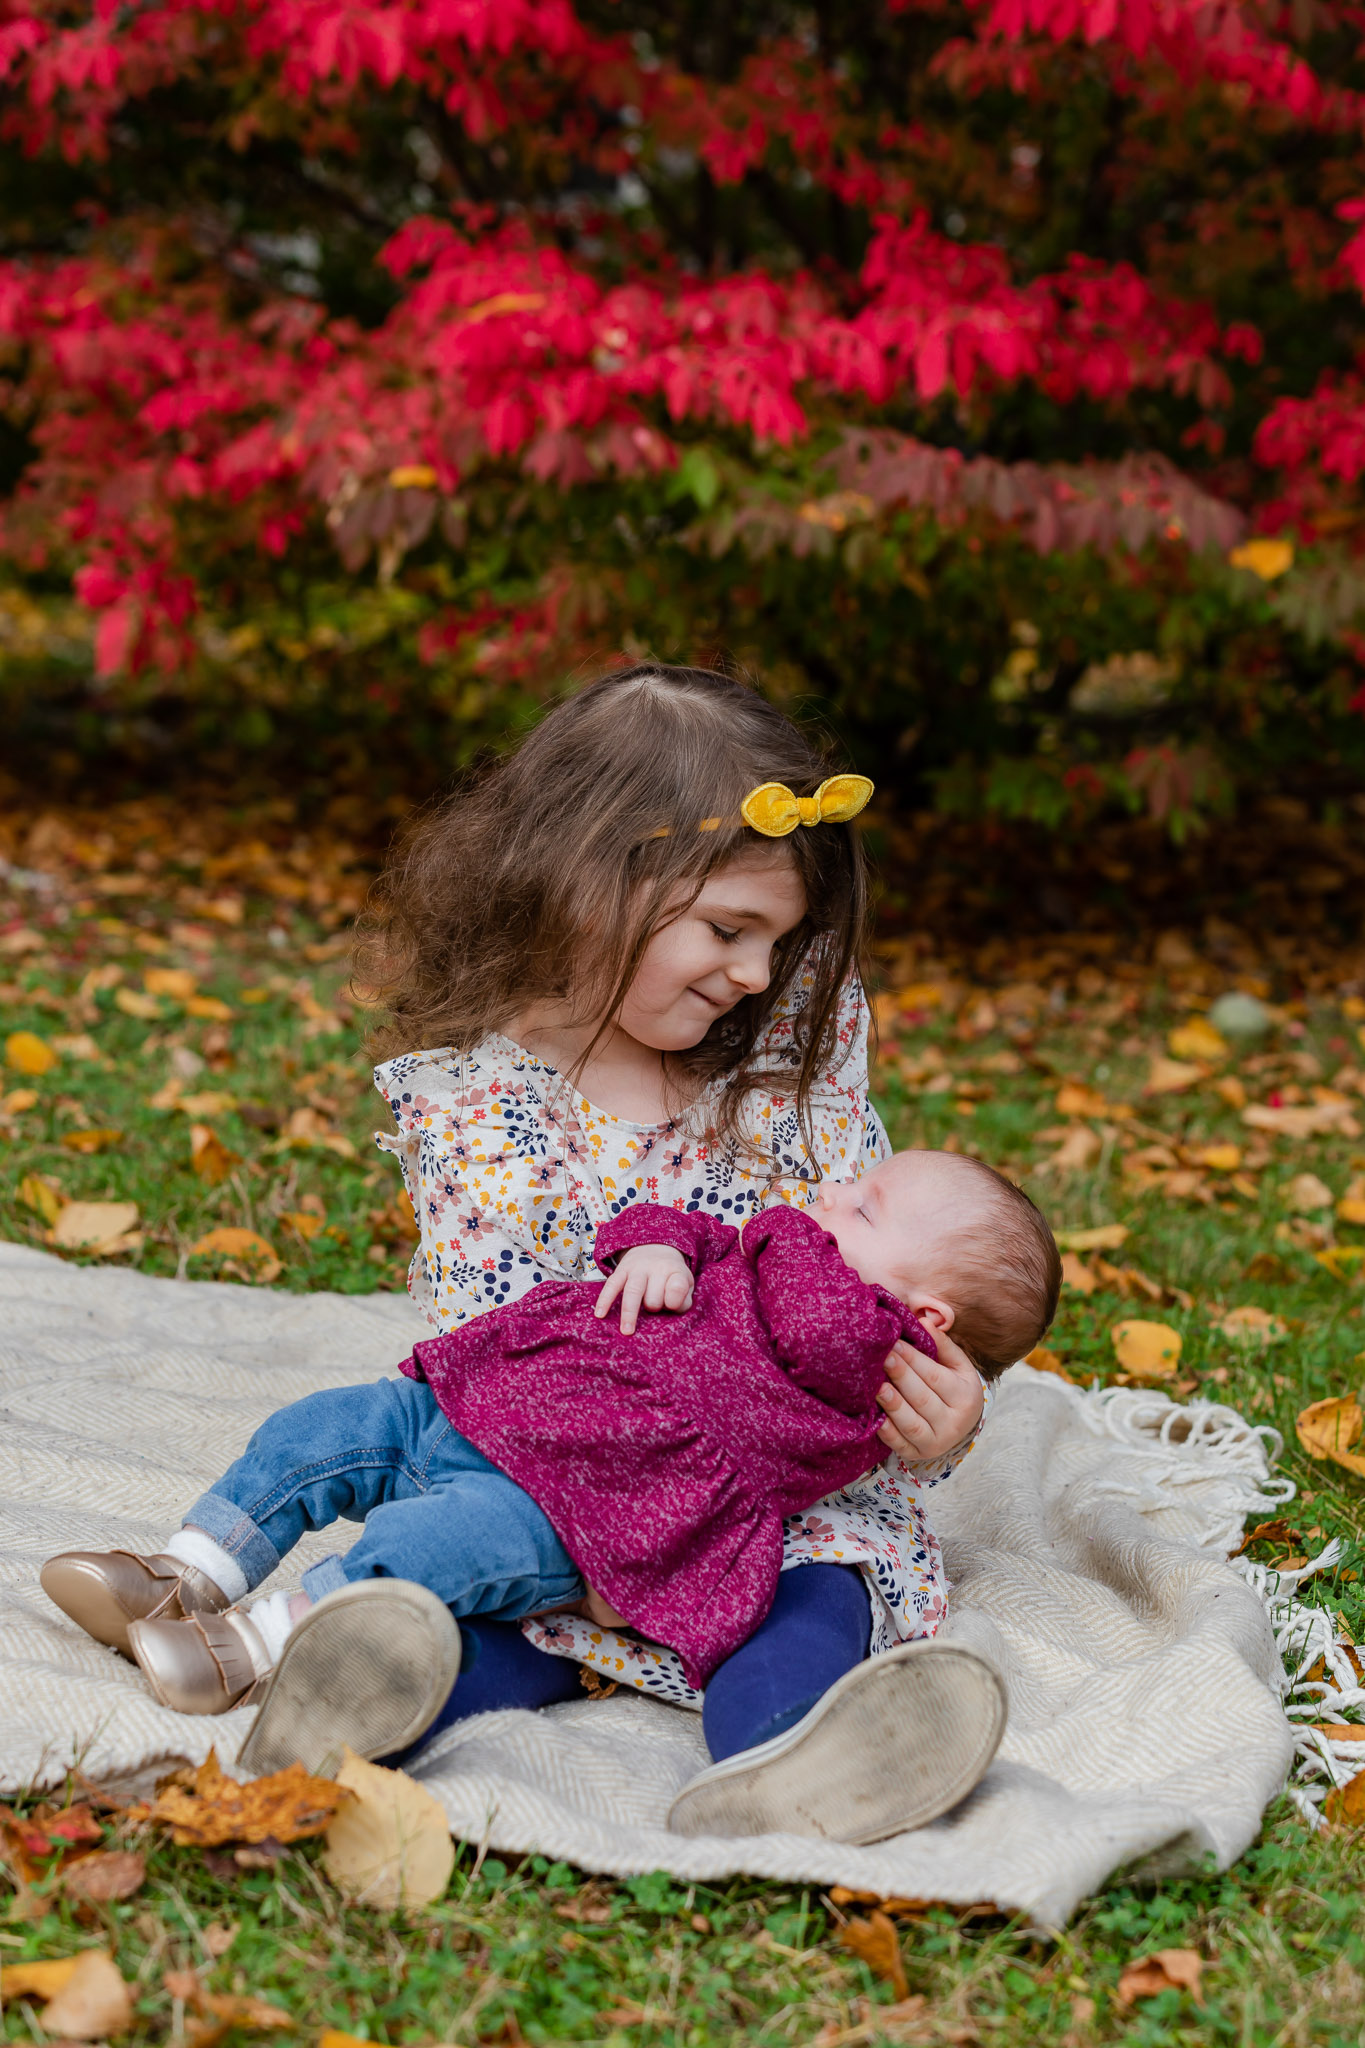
(369, 1668)
(897, 1742)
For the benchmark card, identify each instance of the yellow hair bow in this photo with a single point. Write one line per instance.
(774, 811)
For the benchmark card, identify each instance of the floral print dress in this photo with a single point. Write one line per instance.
(510, 1173)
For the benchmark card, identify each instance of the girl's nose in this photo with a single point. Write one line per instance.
(752, 970)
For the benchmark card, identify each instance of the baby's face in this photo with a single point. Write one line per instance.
(893, 1226)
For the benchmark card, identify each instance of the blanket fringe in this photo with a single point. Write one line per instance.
(1321, 1671)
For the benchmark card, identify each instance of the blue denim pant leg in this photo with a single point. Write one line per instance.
(434, 1509)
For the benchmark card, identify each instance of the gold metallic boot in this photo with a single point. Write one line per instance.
(203, 1665)
(105, 1590)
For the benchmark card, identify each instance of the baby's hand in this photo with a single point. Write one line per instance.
(931, 1405)
(647, 1276)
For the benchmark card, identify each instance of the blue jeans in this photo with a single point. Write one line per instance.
(434, 1509)
(818, 1627)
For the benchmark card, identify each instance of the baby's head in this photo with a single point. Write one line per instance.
(957, 1243)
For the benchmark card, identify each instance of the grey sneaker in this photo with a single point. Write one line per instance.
(369, 1668)
(897, 1742)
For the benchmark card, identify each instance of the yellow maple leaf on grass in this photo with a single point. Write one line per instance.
(1146, 1351)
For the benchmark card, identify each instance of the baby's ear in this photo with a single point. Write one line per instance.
(932, 1310)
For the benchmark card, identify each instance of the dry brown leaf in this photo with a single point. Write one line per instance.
(245, 2011)
(92, 1141)
(1146, 1351)
(1232, 1090)
(176, 982)
(1295, 1120)
(205, 1808)
(1305, 1194)
(1351, 1209)
(134, 1003)
(93, 2004)
(1103, 1237)
(105, 1874)
(209, 1156)
(1079, 1149)
(1172, 1077)
(875, 1942)
(103, 1229)
(1345, 1804)
(211, 1007)
(391, 1845)
(26, 1053)
(1251, 1326)
(306, 1222)
(232, 1241)
(1327, 1429)
(206, 1103)
(1075, 1273)
(307, 1127)
(1167, 1969)
(1219, 1158)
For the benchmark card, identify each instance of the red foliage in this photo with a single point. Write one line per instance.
(164, 411)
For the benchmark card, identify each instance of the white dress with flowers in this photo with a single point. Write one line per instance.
(511, 1172)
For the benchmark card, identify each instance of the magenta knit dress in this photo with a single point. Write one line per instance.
(667, 1460)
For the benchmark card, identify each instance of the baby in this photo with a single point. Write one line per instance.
(650, 1459)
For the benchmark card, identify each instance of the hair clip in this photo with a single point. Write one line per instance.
(774, 810)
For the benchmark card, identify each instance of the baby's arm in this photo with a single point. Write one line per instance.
(833, 1332)
(652, 1256)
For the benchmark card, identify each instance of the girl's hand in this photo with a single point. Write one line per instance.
(647, 1276)
(931, 1405)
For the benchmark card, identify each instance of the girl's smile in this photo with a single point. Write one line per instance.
(713, 953)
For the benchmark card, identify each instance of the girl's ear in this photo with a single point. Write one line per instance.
(932, 1310)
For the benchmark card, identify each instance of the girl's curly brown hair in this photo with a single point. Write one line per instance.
(547, 876)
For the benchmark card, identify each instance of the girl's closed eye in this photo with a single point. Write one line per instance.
(727, 938)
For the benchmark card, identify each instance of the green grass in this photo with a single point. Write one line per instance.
(539, 1952)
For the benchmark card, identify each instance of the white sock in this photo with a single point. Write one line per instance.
(272, 1621)
(192, 1546)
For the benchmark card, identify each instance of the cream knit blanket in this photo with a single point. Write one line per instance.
(1085, 1540)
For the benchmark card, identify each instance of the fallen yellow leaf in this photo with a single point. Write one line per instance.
(1075, 1099)
(1101, 1237)
(1327, 1429)
(1197, 1040)
(41, 1196)
(1232, 1090)
(1146, 1351)
(1220, 1158)
(1172, 1077)
(232, 1241)
(209, 1006)
(90, 1142)
(305, 1221)
(18, 1100)
(1343, 1261)
(1351, 1209)
(1264, 557)
(332, 2037)
(29, 1054)
(104, 1229)
(209, 1156)
(206, 1103)
(1301, 1120)
(41, 1980)
(391, 1846)
(1043, 1360)
(413, 476)
(1079, 1149)
(176, 982)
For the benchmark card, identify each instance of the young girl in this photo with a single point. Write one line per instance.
(635, 953)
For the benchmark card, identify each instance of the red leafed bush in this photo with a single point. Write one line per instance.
(990, 372)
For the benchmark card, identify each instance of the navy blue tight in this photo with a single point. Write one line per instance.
(817, 1628)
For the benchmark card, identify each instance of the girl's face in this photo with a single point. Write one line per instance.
(714, 952)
